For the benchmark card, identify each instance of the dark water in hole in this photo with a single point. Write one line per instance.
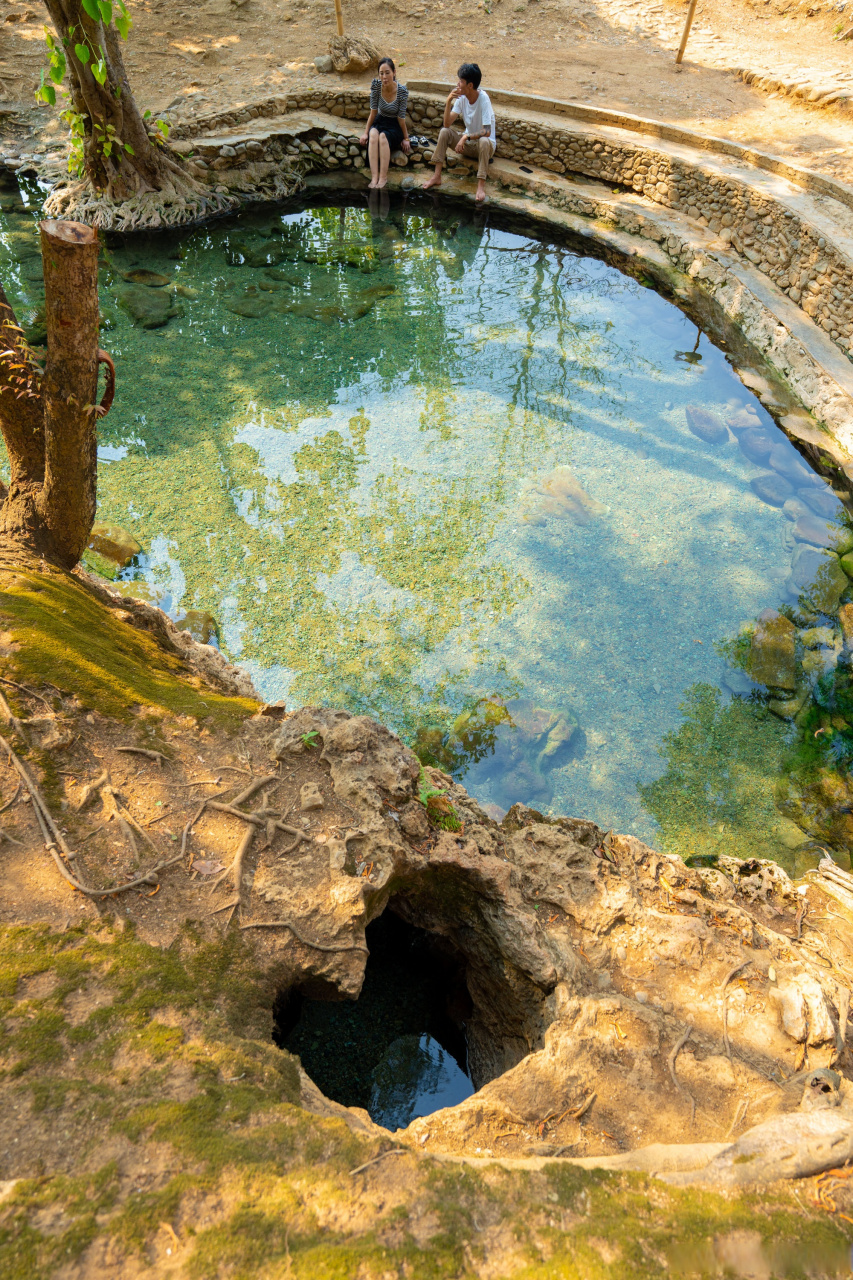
(399, 1050)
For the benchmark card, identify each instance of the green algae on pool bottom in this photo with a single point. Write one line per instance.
(434, 463)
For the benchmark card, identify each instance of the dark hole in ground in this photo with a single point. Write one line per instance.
(399, 1051)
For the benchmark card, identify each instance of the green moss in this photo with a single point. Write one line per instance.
(69, 639)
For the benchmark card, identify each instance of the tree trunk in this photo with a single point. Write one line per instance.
(48, 420)
(109, 106)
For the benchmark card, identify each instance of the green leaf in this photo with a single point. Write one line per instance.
(82, 53)
(123, 20)
(107, 148)
(48, 38)
(46, 93)
(106, 10)
(163, 127)
(129, 149)
(99, 71)
(91, 7)
(146, 115)
(57, 67)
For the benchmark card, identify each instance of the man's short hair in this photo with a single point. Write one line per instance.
(470, 73)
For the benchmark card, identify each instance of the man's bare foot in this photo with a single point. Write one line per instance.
(371, 184)
(434, 181)
(481, 197)
(381, 184)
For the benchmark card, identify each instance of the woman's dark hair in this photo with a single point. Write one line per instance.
(390, 63)
(470, 73)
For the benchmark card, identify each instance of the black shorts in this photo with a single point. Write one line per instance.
(390, 126)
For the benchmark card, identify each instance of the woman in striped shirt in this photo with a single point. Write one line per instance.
(386, 130)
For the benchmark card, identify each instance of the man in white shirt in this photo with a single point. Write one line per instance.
(477, 141)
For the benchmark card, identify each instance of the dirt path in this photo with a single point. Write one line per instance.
(618, 55)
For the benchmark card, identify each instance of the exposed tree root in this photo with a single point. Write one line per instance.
(309, 942)
(182, 200)
(59, 850)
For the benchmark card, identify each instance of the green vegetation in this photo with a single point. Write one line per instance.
(62, 636)
(718, 792)
(438, 807)
(117, 1043)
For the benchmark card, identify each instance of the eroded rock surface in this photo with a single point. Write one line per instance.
(618, 997)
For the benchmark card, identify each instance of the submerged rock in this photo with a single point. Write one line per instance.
(140, 275)
(202, 626)
(559, 496)
(743, 419)
(148, 308)
(822, 501)
(820, 576)
(820, 533)
(706, 425)
(784, 459)
(771, 658)
(250, 306)
(110, 548)
(756, 445)
(772, 489)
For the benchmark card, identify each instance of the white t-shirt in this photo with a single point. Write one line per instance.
(476, 116)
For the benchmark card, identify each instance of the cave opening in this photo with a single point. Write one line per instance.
(399, 1050)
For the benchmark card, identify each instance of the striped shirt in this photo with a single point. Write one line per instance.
(397, 107)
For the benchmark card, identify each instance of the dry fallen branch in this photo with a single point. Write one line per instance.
(144, 751)
(395, 1151)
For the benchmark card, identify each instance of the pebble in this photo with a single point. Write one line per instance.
(310, 797)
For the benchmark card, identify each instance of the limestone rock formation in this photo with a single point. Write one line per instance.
(352, 53)
(618, 997)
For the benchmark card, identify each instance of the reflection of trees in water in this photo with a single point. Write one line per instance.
(412, 1072)
(504, 326)
(718, 794)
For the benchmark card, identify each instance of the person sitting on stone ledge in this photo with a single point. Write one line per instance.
(386, 130)
(477, 141)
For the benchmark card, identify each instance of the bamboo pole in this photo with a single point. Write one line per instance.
(340, 17)
(688, 24)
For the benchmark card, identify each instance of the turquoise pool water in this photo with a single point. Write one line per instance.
(432, 469)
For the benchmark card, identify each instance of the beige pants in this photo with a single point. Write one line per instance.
(482, 150)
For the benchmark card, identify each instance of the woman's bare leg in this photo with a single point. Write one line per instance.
(373, 157)
(384, 160)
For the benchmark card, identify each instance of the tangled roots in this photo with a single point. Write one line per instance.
(179, 201)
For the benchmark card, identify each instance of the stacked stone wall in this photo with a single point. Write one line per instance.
(814, 272)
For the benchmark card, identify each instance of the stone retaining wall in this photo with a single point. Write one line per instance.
(760, 226)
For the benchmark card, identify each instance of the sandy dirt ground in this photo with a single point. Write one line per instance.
(617, 55)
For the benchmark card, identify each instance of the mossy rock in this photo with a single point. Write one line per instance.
(148, 308)
(113, 543)
(202, 626)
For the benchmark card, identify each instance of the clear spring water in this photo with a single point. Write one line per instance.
(416, 462)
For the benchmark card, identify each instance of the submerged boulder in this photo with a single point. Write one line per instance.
(706, 425)
(771, 659)
(772, 489)
(148, 308)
